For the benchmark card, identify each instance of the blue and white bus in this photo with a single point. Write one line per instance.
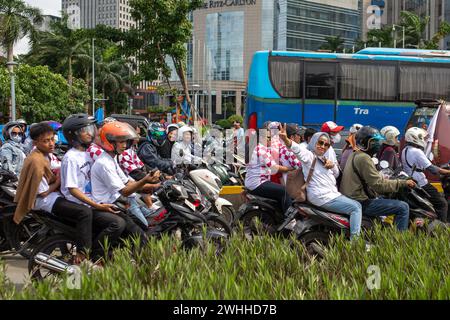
(376, 86)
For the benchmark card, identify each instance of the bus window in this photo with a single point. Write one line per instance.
(419, 82)
(362, 81)
(320, 80)
(286, 76)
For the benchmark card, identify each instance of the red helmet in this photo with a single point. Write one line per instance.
(116, 132)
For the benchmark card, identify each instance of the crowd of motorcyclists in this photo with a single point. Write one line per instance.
(354, 185)
(112, 162)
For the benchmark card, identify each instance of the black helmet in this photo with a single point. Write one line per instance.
(73, 123)
(368, 139)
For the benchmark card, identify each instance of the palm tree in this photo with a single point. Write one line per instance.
(113, 74)
(382, 36)
(415, 27)
(59, 48)
(17, 20)
(333, 44)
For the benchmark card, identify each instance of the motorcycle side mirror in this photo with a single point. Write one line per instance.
(375, 161)
(384, 164)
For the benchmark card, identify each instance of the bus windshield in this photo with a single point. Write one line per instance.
(421, 117)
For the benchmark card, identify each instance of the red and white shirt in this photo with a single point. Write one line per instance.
(264, 161)
(94, 151)
(129, 161)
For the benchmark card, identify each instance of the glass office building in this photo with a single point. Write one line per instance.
(305, 24)
(226, 34)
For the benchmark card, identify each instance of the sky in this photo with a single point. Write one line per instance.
(52, 7)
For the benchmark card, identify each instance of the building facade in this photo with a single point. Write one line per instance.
(437, 10)
(90, 13)
(305, 24)
(226, 34)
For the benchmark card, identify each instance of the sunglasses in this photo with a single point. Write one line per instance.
(323, 144)
(15, 134)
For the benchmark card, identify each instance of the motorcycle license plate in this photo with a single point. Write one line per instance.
(189, 204)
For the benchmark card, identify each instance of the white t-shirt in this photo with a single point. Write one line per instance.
(331, 155)
(45, 204)
(107, 179)
(322, 187)
(416, 157)
(76, 173)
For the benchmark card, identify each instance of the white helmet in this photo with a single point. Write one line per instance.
(417, 136)
(355, 127)
(390, 133)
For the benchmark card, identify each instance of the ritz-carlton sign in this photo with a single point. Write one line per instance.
(228, 3)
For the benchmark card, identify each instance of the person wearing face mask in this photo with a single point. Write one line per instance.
(12, 153)
(350, 144)
(389, 149)
(148, 150)
(334, 131)
(362, 182)
(321, 189)
(182, 151)
(165, 150)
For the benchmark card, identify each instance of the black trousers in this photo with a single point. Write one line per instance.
(274, 191)
(80, 216)
(438, 201)
(108, 228)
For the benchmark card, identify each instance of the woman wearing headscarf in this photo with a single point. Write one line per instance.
(322, 190)
(12, 153)
(165, 150)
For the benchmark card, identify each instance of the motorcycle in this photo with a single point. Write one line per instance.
(420, 207)
(209, 186)
(13, 238)
(175, 215)
(312, 225)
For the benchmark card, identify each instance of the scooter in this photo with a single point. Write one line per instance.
(312, 225)
(209, 186)
(421, 209)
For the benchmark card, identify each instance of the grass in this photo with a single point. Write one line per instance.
(412, 266)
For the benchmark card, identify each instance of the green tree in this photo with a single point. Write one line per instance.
(43, 95)
(333, 44)
(60, 48)
(163, 30)
(383, 36)
(17, 20)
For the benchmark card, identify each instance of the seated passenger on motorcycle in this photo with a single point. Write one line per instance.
(39, 185)
(333, 131)
(350, 145)
(259, 170)
(165, 150)
(413, 157)
(362, 182)
(133, 166)
(183, 149)
(281, 153)
(12, 153)
(109, 182)
(321, 189)
(389, 149)
(79, 131)
(148, 150)
(94, 150)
